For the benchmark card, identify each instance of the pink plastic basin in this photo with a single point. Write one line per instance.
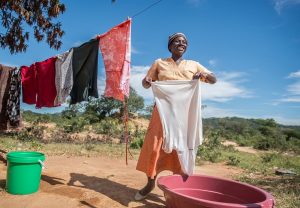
(211, 192)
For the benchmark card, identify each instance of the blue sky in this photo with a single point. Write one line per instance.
(253, 47)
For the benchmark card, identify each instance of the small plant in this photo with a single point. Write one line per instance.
(36, 145)
(110, 127)
(211, 149)
(89, 146)
(137, 143)
(31, 133)
(233, 160)
(266, 158)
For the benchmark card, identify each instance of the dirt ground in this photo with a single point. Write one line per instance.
(93, 182)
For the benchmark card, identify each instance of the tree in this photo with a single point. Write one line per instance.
(135, 101)
(38, 14)
(98, 108)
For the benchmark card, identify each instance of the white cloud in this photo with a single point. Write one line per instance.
(293, 91)
(291, 99)
(294, 74)
(226, 88)
(279, 5)
(287, 121)
(210, 111)
(136, 76)
(134, 50)
(212, 62)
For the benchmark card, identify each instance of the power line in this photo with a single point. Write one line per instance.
(142, 11)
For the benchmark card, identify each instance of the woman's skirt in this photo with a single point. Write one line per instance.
(153, 159)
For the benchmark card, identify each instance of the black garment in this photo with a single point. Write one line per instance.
(5, 76)
(85, 71)
(13, 102)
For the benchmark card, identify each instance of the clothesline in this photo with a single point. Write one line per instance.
(117, 81)
(47, 83)
(145, 9)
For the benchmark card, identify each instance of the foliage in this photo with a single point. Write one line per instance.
(285, 190)
(137, 138)
(233, 160)
(210, 149)
(97, 109)
(30, 133)
(262, 134)
(109, 126)
(37, 14)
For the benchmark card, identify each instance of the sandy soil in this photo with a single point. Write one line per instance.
(96, 182)
(241, 149)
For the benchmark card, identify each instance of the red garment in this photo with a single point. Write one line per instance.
(115, 48)
(29, 84)
(38, 83)
(46, 91)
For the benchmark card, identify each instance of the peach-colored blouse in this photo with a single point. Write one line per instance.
(168, 69)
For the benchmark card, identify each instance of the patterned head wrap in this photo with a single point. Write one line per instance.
(175, 35)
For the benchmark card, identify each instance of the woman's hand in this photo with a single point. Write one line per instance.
(147, 82)
(199, 75)
(209, 78)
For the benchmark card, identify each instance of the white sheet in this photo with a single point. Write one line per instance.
(179, 107)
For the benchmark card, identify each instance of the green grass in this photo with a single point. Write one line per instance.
(258, 168)
(69, 149)
(285, 189)
(263, 162)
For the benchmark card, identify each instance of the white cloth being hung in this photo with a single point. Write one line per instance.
(63, 76)
(179, 107)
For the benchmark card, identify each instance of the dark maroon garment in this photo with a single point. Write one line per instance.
(29, 84)
(38, 83)
(46, 91)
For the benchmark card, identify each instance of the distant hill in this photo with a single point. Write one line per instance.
(263, 134)
(260, 133)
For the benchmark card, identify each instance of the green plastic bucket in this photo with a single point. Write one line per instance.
(24, 172)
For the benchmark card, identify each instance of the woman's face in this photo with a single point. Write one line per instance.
(178, 46)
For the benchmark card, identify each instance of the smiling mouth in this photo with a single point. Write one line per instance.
(181, 48)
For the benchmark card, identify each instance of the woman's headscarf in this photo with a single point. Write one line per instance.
(175, 35)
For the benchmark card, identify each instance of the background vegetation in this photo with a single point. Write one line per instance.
(96, 127)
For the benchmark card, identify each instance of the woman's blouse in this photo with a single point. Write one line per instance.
(168, 69)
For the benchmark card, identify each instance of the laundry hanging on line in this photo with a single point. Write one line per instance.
(38, 83)
(9, 97)
(115, 47)
(48, 83)
(63, 76)
(85, 71)
(179, 106)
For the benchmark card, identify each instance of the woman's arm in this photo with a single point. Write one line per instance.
(152, 75)
(147, 82)
(207, 77)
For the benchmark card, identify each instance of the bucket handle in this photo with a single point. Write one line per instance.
(42, 164)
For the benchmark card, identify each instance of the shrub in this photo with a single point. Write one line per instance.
(137, 143)
(233, 160)
(211, 148)
(110, 127)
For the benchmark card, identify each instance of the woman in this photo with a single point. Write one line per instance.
(153, 159)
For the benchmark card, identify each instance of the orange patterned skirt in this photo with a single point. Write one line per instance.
(153, 159)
